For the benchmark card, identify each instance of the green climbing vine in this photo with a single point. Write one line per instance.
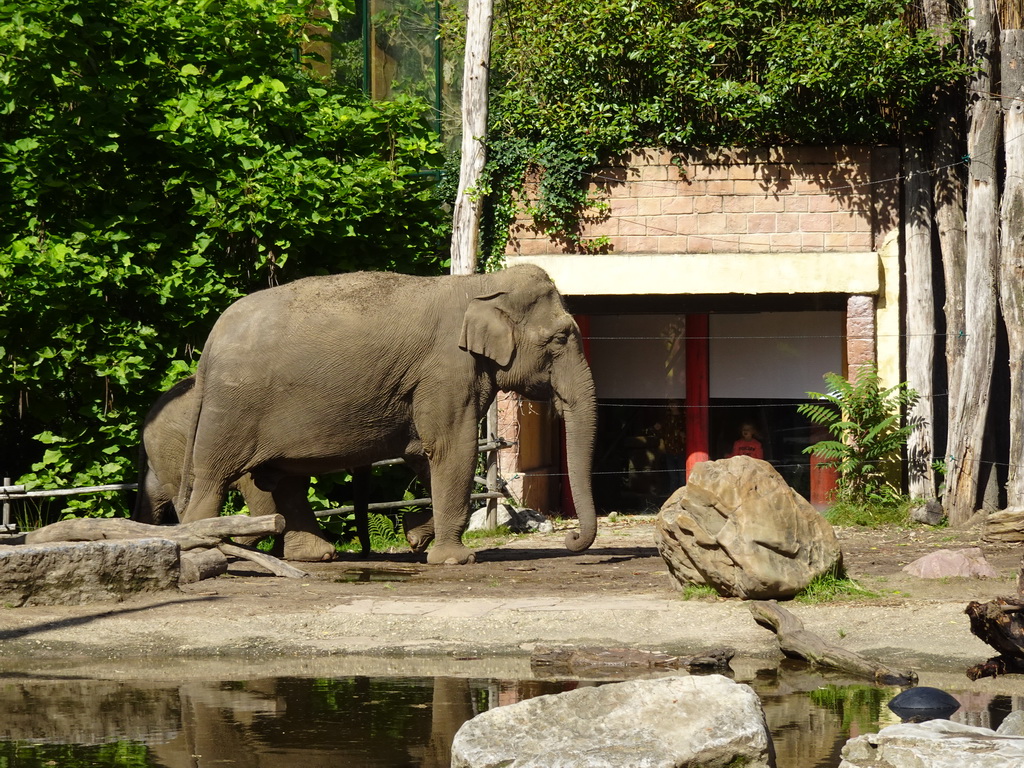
(577, 80)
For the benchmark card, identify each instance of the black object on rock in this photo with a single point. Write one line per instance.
(916, 705)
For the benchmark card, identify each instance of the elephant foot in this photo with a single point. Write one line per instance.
(450, 554)
(418, 542)
(419, 529)
(247, 541)
(307, 547)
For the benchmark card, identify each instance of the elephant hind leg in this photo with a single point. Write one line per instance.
(205, 500)
(304, 538)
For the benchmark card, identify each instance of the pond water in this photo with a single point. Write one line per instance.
(74, 721)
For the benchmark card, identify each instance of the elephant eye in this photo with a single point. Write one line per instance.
(560, 339)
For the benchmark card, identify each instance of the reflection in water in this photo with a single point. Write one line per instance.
(363, 721)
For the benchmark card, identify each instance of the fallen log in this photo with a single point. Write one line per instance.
(576, 660)
(798, 643)
(205, 537)
(1000, 624)
(198, 564)
(271, 563)
(200, 534)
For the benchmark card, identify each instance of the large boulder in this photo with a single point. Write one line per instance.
(75, 573)
(738, 527)
(936, 744)
(665, 722)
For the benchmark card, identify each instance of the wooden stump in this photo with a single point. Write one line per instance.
(1000, 623)
(199, 564)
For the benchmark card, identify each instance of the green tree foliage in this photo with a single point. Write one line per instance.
(864, 420)
(159, 159)
(578, 80)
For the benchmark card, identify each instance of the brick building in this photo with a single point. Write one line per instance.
(726, 284)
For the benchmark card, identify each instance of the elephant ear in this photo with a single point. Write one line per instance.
(487, 330)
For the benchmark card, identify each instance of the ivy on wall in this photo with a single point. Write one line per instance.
(577, 80)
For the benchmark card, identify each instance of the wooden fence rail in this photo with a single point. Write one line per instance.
(496, 489)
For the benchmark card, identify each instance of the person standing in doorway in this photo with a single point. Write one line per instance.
(748, 443)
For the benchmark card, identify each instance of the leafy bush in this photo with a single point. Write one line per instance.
(864, 420)
(157, 161)
(846, 513)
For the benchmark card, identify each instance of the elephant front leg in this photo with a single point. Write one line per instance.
(451, 480)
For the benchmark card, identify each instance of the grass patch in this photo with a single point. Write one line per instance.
(832, 587)
(698, 592)
(846, 513)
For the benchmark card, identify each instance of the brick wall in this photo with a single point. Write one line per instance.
(776, 200)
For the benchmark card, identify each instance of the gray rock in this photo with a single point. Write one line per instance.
(947, 563)
(75, 573)
(738, 527)
(935, 744)
(665, 722)
(1013, 724)
(929, 513)
(518, 520)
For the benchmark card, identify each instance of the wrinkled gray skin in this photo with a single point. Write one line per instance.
(161, 457)
(341, 371)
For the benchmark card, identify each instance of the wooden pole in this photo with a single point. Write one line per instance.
(920, 340)
(969, 406)
(466, 216)
(697, 421)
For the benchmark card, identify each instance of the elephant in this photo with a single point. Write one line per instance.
(161, 457)
(338, 371)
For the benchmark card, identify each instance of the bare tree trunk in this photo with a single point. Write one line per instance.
(950, 224)
(1011, 271)
(969, 410)
(466, 217)
(920, 340)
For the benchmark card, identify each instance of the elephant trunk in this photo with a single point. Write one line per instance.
(576, 401)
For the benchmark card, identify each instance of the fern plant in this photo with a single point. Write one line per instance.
(867, 436)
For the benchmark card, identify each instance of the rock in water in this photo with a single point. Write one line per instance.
(936, 744)
(738, 527)
(660, 723)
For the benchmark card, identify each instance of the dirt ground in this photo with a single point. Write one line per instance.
(522, 591)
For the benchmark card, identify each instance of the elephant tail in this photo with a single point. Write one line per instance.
(143, 511)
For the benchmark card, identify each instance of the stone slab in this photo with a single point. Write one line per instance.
(75, 573)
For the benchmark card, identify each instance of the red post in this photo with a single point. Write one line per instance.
(697, 424)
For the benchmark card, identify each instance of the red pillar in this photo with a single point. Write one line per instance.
(697, 424)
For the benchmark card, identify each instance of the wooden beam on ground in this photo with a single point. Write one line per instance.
(798, 643)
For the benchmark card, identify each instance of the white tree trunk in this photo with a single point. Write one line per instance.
(969, 410)
(950, 224)
(920, 340)
(466, 216)
(1011, 271)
